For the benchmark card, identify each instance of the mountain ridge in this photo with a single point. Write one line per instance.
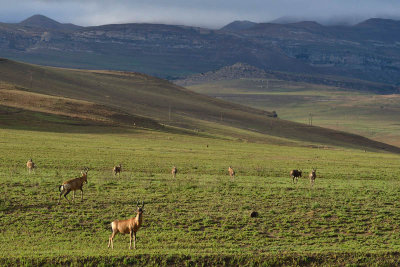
(367, 51)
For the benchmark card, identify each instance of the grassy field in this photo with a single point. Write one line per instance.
(368, 114)
(202, 217)
(66, 120)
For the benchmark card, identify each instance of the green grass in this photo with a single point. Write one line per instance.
(201, 217)
(367, 114)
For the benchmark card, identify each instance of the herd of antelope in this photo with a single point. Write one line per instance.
(132, 225)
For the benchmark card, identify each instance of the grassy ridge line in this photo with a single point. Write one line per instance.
(292, 259)
(151, 97)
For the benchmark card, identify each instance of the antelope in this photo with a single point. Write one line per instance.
(30, 165)
(129, 226)
(254, 214)
(174, 171)
(313, 175)
(73, 185)
(231, 172)
(295, 174)
(117, 170)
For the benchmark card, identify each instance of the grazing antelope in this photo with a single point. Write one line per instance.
(231, 172)
(295, 174)
(174, 171)
(117, 170)
(73, 185)
(254, 214)
(129, 226)
(30, 165)
(313, 175)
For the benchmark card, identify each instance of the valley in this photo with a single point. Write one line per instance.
(372, 115)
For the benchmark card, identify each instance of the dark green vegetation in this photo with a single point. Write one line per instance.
(141, 99)
(367, 51)
(372, 115)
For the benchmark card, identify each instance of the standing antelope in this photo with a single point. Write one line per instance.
(73, 185)
(30, 165)
(117, 170)
(313, 175)
(231, 172)
(129, 226)
(174, 171)
(295, 174)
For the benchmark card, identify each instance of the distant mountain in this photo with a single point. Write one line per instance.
(43, 22)
(388, 24)
(340, 20)
(166, 51)
(369, 50)
(238, 25)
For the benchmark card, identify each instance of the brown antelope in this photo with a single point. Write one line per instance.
(231, 172)
(313, 175)
(129, 226)
(117, 170)
(295, 174)
(174, 171)
(30, 165)
(73, 185)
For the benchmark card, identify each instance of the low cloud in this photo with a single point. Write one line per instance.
(205, 13)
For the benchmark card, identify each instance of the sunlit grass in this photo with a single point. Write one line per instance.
(352, 208)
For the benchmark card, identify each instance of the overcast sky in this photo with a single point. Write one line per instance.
(204, 13)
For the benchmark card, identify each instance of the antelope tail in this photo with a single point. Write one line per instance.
(59, 188)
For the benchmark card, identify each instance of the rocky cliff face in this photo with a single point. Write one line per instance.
(369, 50)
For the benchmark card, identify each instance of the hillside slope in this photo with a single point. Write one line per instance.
(12, 97)
(143, 95)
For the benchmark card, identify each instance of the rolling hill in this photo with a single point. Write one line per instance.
(105, 95)
(244, 71)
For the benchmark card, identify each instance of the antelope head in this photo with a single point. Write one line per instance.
(84, 173)
(140, 208)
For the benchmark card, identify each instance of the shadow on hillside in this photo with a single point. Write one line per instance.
(20, 119)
